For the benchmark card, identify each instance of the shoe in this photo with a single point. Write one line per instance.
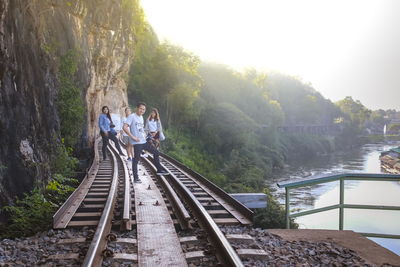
(162, 173)
(129, 159)
(138, 181)
(144, 155)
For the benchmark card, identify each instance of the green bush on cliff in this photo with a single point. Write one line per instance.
(63, 163)
(29, 215)
(34, 212)
(70, 104)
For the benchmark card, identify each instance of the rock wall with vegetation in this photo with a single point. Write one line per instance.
(60, 61)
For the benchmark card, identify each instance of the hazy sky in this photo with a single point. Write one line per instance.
(342, 47)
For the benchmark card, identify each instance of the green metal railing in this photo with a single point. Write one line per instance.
(341, 206)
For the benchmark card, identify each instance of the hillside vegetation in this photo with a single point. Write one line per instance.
(226, 124)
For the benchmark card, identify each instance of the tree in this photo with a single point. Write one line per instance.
(355, 110)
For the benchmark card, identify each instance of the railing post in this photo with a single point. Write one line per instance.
(287, 207)
(341, 203)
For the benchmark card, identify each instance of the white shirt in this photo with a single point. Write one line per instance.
(153, 126)
(136, 126)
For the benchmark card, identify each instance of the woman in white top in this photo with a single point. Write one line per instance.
(125, 136)
(154, 128)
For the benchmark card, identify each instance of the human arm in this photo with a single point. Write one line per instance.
(103, 125)
(128, 132)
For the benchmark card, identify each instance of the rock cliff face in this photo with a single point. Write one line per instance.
(34, 34)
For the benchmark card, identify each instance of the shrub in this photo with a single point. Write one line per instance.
(69, 99)
(34, 212)
(29, 215)
(273, 216)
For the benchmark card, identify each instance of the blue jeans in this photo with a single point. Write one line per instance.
(137, 151)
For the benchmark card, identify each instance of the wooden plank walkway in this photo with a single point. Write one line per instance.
(158, 243)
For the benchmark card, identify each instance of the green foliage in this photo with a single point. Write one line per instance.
(223, 123)
(303, 145)
(355, 111)
(189, 150)
(165, 76)
(273, 216)
(59, 188)
(300, 102)
(30, 215)
(34, 212)
(63, 163)
(135, 16)
(69, 100)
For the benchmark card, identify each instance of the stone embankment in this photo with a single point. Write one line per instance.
(284, 249)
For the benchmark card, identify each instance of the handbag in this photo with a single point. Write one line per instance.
(113, 132)
(162, 136)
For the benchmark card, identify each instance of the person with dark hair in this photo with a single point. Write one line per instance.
(154, 129)
(107, 131)
(134, 127)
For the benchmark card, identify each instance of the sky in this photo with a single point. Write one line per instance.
(342, 47)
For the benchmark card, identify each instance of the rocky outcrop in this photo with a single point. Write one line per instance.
(34, 34)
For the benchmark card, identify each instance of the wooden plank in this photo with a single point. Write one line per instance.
(95, 199)
(126, 240)
(125, 256)
(252, 253)
(87, 214)
(82, 223)
(229, 221)
(158, 243)
(92, 206)
(99, 189)
(188, 239)
(239, 238)
(194, 255)
(216, 212)
(205, 199)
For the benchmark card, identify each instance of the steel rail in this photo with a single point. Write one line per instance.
(244, 211)
(65, 213)
(180, 210)
(126, 215)
(225, 253)
(93, 256)
(182, 214)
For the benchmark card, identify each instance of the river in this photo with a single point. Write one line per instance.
(364, 159)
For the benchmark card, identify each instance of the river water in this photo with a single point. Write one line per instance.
(364, 160)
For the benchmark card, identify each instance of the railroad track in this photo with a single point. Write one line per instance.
(172, 220)
(103, 201)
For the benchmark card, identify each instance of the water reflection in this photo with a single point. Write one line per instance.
(366, 160)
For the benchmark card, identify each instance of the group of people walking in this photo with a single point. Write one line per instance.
(137, 135)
